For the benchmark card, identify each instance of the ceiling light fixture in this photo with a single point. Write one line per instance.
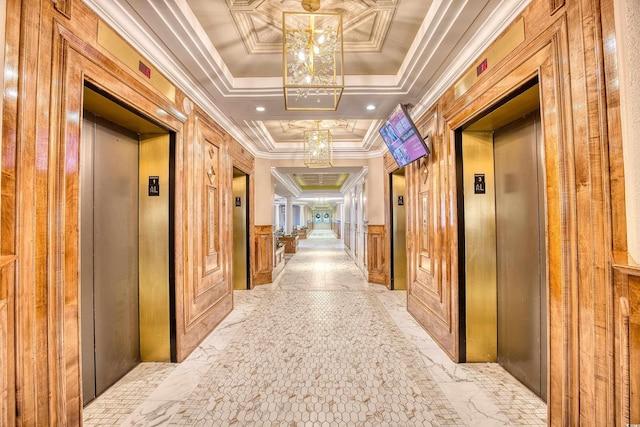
(318, 147)
(260, 109)
(371, 107)
(313, 58)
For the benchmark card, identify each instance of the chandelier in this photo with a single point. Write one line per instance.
(313, 74)
(317, 147)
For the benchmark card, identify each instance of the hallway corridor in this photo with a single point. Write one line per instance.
(319, 346)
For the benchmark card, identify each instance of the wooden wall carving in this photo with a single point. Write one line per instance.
(431, 292)
(377, 264)
(208, 293)
(265, 251)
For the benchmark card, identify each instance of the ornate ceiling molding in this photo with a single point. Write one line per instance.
(259, 24)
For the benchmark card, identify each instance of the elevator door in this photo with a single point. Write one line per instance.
(398, 237)
(109, 254)
(521, 277)
(240, 230)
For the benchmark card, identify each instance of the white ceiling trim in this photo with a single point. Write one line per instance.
(478, 43)
(130, 31)
(286, 181)
(354, 179)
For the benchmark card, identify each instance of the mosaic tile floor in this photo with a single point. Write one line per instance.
(318, 347)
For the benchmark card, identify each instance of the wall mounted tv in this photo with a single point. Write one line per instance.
(402, 137)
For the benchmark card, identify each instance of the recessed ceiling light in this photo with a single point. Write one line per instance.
(261, 109)
(371, 107)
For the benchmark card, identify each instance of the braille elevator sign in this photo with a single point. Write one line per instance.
(154, 186)
(478, 183)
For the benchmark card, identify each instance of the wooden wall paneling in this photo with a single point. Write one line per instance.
(591, 188)
(626, 344)
(31, 315)
(7, 356)
(634, 349)
(377, 262)
(264, 246)
(208, 292)
(63, 6)
(619, 363)
(614, 129)
(9, 146)
(431, 294)
(556, 5)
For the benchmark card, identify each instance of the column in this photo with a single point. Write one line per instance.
(288, 218)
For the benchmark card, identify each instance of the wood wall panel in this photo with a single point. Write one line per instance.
(626, 340)
(208, 294)
(634, 350)
(377, 263)
(7, 373)
(430, 290)
(210, 171)
(265, 251)
(5, 355)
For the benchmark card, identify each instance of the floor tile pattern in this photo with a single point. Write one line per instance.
(114, 406)
(318, 347)
(324, 356)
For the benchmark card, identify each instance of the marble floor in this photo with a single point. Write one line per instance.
(318, 347)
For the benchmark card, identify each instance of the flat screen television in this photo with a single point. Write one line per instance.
(402, 137)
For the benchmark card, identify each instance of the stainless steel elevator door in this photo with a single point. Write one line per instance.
(109, 254)
(521, 278)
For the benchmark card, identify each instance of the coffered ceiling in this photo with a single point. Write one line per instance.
(226, 55)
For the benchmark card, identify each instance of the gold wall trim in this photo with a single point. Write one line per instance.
(114, 44)
(506, 44)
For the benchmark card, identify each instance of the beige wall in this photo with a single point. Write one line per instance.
(263, 192)
(627, 24)
(375, 191)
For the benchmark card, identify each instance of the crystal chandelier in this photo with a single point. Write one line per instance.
(317, 147)
(313, 74)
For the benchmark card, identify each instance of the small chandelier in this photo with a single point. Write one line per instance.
(317, 147)
(313, 58)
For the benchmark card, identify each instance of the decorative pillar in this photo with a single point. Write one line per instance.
(276, 216)
(288, 218)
